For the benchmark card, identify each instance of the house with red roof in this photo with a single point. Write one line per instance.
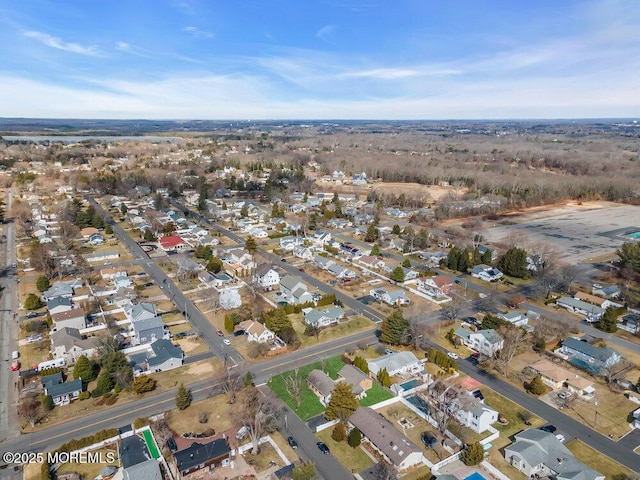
(173, 243)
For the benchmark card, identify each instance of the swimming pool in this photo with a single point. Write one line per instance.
(413, 383)
(583, 365)
(475, 476)
(634, 235)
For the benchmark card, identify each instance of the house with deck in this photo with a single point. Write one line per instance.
(487, 342)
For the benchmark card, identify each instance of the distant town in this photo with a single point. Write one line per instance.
(335, 300)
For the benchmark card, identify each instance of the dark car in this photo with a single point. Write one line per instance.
(220, 333)
(173, 447)
(32, 314)
(429, 439)
(548, 428)
(456, 281)
(292, 442)
(323, 448)
(148, 284)
(283, 260)
(237, 333)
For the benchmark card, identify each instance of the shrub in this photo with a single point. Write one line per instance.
(32, 302)
(203, 417)
(536, 386)
(339, 432)
(473, 454)
(355, 437)
(47, 403)
(84, 395)
(96, 393)
(140, 422)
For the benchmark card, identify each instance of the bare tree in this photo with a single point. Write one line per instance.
(568, 274)
(384, 471)
(450, 312)
(442, 398)
(260, 414)
(232, 385)
(513, 337)
(293, 385)
(31, 410)
(416, 332)
(41, 260)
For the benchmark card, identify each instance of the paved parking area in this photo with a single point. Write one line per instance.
(580, 232)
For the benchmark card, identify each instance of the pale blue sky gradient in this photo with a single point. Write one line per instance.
(319, 59)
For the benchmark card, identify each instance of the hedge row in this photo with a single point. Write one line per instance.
(75, 444)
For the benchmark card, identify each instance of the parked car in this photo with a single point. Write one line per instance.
(32, 315)
(226, 341)
(323, 448)
(238, 333)
(453, 355)
(292, 442)
(220, 333)
(173, 447)
(429, 439)
(564, 395)
(548, 428)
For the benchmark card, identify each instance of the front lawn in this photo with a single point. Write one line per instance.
(375, 394)
(310, 406)
(598, 461)
(353, 459)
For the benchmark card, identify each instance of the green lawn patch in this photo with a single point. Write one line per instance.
(310, 406)
(375, 394)
(353, 459)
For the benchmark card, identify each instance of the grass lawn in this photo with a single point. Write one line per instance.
(217, 407)
(353, 459)
(418, 473)
(310, 406)
(375, 394)
(347, 327)
(598, 461)
(261, 460)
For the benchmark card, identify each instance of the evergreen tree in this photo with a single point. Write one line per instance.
(123, 209)
(250, 245)
(375, 250)
(536, 386)
(343, 402)
(384, 378)
(244, 211)
(394, 328)
(85, 369)
(339, 433)
(149, 236)
(629, 254)
(372, 233)
(97, 221)
(42, 283)
(396, 229)
(514, 263)
(108, 229)
(104, 383)
(183, 397)
(228, 323)
(214, 265)
(473, 454)
(609, 320)
(304, 471)
(142, 384)
(406, 263)
(397, 275)
(32, 302)
(453, 257)
(47, 403)
(464, 261)
(487, 257)
(355, 438)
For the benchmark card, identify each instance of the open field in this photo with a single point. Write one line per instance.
(580, 232)
(599, 462)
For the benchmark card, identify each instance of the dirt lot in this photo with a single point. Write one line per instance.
(582, 232)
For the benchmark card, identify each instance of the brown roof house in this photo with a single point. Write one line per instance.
(386, 439)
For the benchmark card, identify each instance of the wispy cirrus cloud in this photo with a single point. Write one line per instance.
(326, 33)
(132, 50)
(57, 43)
(197, 32)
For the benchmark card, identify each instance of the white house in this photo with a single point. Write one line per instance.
(302, 252)
(74, 318)
(486, 273)
(266, 277)
(486, 342)
(599, 357)
(323, 318)
(590, 311)
(473, 413)
(396, 363)
(295, 290)
(256, 331)
(395, 297)
(68, 344)
(514, 318)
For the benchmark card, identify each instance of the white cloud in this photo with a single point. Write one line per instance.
(326, 32)
(55, 42)
(196, 32)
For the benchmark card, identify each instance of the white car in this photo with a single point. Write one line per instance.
(453, 355)
(226, 341)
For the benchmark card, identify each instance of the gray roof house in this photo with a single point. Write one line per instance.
(323, 262)
(395, 363)
(596, 356)
(69, 344)
(323, 318)
(148, 470)
(59, 304)
(488, 342)
(539, 453)
(140, 311)
(147, 330)
(164, 356)
(289, 283)
(361, 381)
(58, 289)
(199, 457)
(64, 393)
(320, 384)
(386, 439)
(590, 311)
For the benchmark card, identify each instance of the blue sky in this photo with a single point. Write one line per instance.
(319, 59)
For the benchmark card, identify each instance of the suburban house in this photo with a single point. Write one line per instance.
(61, 289)
(396, 297)
(295, 290)
(266, 277)
(321, 238)
(436, 286)
(140, 311)
(630, 322)
(372, 263)
(556, 376)
(323, 262)
(516, 319)
(173, 243)
(69, 344)
(147, 330)
(62, 393)
(486, 273)
(196, 460)
(96, 239)
(256, 331)
(597, 357)
(487, 342)
(590, 311)
(289, 243)
(59, 304)
(409, 273)
(103, 256)
(147, 470)
(396, 363)
(469, 410)
(161, 355)
(341, 272)
(88, 231)
(113, 272)
(605, 291)
(386, 439)
(540, 454)
(321, 384)
(595, 300)
(361, 381)
(74, 318)
(323, 318)
(302, 252)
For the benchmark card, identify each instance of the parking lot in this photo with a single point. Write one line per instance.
(580, 232)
